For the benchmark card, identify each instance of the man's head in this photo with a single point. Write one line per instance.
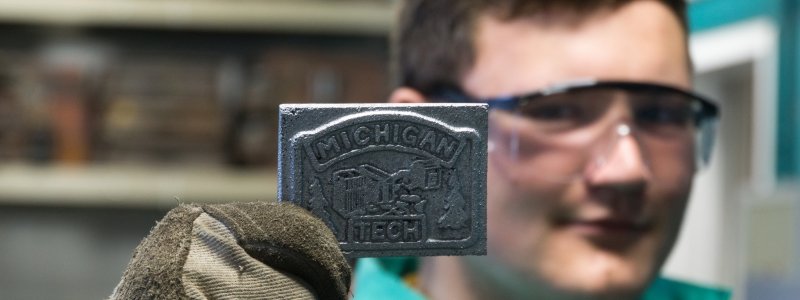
(589, 211)
(434, 41)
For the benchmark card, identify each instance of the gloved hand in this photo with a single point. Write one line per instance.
(253, 250)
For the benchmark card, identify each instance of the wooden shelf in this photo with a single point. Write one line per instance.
(127, 185)
(295, 16)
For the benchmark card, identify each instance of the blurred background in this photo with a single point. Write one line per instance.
(114, 111)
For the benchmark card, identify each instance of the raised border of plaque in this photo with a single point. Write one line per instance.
(389, 179)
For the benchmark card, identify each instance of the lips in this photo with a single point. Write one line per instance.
(611, 225)
(616, 235)
(607, 227)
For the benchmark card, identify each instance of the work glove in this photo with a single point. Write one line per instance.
(255, 250)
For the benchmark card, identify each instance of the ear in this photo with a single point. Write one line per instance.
(406, 95)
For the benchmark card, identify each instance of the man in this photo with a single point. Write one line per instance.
(594, 140)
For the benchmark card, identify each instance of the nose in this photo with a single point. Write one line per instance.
(622, 165)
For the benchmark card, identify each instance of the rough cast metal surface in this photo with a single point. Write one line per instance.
(389, 180)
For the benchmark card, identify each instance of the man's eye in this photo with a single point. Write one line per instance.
(664, 116)
(554, 112)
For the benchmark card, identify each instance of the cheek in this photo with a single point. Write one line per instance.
(520, 188)
(517, 208)
(506, 209)
(673, 167)
(669, 209)
(673, 163)
(673, 200)
(511, 198)
(669, 194)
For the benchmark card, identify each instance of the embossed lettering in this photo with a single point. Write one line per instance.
(412, 232)
(410, 135)
(394, 231)
(378, 231)
(361, 135)
(429, 139)
(325, 147)
(360, 232)
(382, 231)
(381, 134)
(345, 140)
(445, 147)
(396, 133)
(438, 143)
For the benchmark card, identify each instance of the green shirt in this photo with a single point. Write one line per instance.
(382, 278)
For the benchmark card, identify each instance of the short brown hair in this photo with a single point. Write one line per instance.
(433, 41)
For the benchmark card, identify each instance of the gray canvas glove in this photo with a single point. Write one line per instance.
(253, 250)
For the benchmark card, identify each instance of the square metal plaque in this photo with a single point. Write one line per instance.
(389, 179)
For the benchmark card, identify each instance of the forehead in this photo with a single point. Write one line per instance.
(641, 41)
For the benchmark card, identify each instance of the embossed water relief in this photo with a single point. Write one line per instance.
(393, 180)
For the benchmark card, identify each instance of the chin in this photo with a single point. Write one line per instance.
(601, 287)
(576, 266)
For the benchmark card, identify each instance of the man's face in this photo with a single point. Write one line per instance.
(610, 230)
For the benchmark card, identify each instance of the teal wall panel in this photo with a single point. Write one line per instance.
(788, 166)
(709, 14)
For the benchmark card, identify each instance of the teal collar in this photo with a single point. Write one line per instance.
(382, 278)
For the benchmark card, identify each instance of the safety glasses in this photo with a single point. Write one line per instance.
(565, 129)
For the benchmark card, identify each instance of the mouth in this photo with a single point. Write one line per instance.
(607, 228)
(608, 225)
